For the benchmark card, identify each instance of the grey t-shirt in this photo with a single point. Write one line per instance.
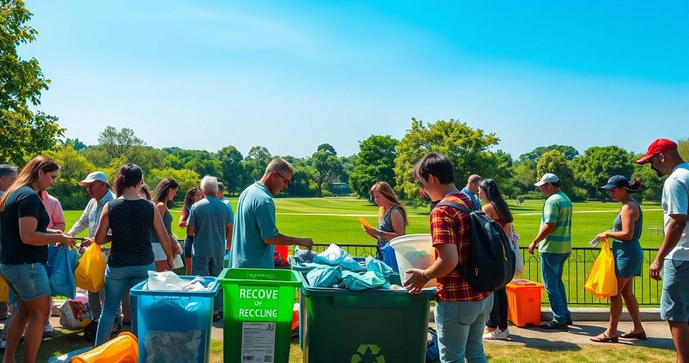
(210, 218)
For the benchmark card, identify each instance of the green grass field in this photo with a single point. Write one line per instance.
(335, 220)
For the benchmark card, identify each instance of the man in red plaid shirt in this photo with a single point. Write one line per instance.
(460, 311)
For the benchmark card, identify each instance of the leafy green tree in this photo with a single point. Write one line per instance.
(683, 148)
(525, 175)
(23, 133)
(598, 164)
(348, 165)
(468, 149)
(568, 151)
(652, 184)
(375, 162)
(232, 169)
(255, 164)
(116, 143)
(327, 166)
(555, 162)
(76, 143)
(73, 168)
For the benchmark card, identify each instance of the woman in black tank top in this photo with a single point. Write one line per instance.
(130, 218)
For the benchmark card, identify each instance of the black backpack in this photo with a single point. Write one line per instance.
(491, 262)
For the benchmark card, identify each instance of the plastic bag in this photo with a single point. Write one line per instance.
(123, 349)
(60, 268)
(74, 315)
(169, 281)
(172, 347)
(365, 281)
(325, 276)
(4, 291)
(90, 272)
(389, 257)
(514, 242)
(336, 256)
(602, 281)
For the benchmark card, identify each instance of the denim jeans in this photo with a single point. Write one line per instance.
(117, 281)
(552, 266)
(209, 266)
(498, 315)
(460, 327)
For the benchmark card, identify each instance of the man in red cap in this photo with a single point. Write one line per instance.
(673, 255)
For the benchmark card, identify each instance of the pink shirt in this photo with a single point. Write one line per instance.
(54, 209)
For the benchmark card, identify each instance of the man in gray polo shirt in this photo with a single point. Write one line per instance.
(210, 223)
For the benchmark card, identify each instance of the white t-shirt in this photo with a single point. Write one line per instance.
(676, 201)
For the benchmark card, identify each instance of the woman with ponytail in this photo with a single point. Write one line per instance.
(628, 255)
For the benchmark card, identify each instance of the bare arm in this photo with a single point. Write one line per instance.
(673, 233)
(628, 215)
(183, 218)
(282, 240)
(228, 235)
(101, 235)
(161, 232)
(545, 231)
(30, 236)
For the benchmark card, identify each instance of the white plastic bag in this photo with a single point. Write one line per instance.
(74, 315)
(177, 262)
(169, 281)
(514, 242)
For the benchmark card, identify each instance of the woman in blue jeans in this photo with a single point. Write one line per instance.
(628, 255)
(25, 240)
(130, 218)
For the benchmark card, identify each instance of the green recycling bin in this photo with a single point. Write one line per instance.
(257, 314)
(380, 325)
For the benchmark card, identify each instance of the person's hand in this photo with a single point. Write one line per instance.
(532, 247)
(177, 249)
(416, 282)
(170, 264)
(306, 242)
(602, 236)
(371, 231)
(655, 268)
(67, 240)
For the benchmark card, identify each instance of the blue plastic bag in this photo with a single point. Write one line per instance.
(365, 281)
(336, 256)
(389, 257)
(60, 268)
(324, 276)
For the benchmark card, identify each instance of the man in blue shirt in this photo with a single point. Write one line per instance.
(210, 222)
(471, 190)
(256, 233)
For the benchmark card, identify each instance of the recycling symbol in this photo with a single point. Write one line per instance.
(358, 357)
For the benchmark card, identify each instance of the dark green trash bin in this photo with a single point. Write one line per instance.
(340, 325)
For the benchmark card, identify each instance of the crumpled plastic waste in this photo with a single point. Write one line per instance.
(365, 281)
(74, 315)
(324, 276)
(303, 256)
(336, 256)
(172, 347)
(169, 281)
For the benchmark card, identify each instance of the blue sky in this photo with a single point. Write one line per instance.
(291, 75)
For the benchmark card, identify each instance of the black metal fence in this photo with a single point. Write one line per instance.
(577, 267)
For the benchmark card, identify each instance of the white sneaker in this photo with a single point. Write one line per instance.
(497, 335)
(48, 329)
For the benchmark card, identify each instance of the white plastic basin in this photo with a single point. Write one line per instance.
(414, 251)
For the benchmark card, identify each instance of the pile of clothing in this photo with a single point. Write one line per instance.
(334, 267)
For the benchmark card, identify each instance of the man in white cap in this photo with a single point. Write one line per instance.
(98, 188)
(554, 241)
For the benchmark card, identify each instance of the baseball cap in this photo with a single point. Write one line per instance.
(95, 176)
(615, 181)
(657, 147)
(547, 178)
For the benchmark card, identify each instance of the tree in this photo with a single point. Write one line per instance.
(555, 162)
(117, 143)
(232, 170)
(568, 151)
(468, 149)
(652, 184)
(76, 143)
(683, 148)
(73, 168)
(186, 179)
(327, 165)
(525, 175)
(375, 162)
(255, 164)
(598, 164)
(23, 133)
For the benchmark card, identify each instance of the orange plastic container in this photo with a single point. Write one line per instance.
(123, 349)
(524, 302)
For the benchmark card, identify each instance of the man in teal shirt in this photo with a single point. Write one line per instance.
(255, 231)
(554, 242)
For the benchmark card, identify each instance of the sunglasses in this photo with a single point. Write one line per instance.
(287, 181)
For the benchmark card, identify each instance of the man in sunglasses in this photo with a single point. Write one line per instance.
(673, 255)
(255, 232)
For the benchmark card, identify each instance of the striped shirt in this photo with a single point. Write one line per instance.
(449, 225)
(557, 209)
